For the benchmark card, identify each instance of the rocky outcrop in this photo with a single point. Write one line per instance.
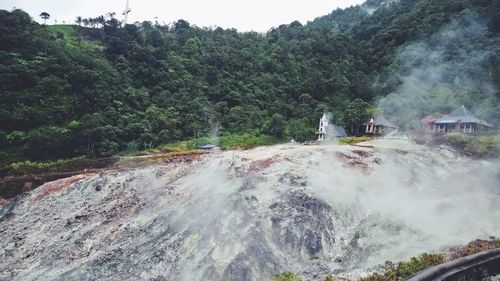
(249, 214)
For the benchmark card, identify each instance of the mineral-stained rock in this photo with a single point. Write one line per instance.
(248, 214)
(302, 223)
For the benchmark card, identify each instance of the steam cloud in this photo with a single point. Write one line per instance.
(439, 74)
(252, 214)
(370, 8)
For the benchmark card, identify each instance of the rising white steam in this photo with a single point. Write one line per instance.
(313, 210)
(447, 70)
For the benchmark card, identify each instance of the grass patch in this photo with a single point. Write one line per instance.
(68, 34)
(392, 272)
(161, 157)
(484, 146)
(186, 145)
(246, 141)
(8, 157)
(243, 141)
(78, 163)
(287, 276)
(354, 140)
(404, 269)
(173, 150)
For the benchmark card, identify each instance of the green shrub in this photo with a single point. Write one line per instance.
(225, 142)
(246, 141)
(416, 264)
(28, 167)
(354, 140)
(475, 146)
(405, 269)
(287, 276)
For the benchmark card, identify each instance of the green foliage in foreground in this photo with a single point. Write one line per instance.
(225, 142)
(392, 272)
(354, 140)
(404, 269)
(78, 163)
(475, 146)
(68, 35)
(287, 276)
(67, 91)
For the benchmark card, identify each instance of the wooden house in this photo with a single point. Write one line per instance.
(379, 125)
(461, 120)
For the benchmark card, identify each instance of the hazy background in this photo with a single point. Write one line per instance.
(257, 15)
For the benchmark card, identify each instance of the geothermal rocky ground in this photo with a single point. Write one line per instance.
(313, 210)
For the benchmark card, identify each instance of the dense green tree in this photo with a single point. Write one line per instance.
(356, 113)
(99, 91)
(48, 142)
(300, 130)
(163, 123)
(275, 126)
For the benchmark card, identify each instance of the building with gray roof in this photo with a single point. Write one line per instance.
(379, 125)
(461, 120)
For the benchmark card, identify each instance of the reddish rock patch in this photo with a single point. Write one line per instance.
(353, 160)
(343, 156)
(58, 185)
(362, 153)
(28, 186)
(259, 165)
(472, 248)
(361, 145)
(2, 202)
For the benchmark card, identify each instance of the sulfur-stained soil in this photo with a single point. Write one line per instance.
(251, 214)
(13, 184)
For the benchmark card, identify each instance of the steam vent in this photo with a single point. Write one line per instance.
(251, 214)
(204, 140)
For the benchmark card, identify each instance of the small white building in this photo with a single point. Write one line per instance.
(323, 128)
(327, 131)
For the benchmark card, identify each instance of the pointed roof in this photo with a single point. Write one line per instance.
(380, 120)
(429, 119)
(463, 115)
(339, 131)
(461, 111)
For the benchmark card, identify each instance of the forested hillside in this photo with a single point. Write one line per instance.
(70, 90)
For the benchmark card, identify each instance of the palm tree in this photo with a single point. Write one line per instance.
(78, 20)
(100, 20)
(85, 22)
(110, 15)
(45, 16)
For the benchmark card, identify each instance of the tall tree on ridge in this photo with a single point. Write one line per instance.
(100, 20)
(110, 15)
(78, 20)
(45, 16)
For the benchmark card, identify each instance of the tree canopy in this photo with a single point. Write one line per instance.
(105, 87)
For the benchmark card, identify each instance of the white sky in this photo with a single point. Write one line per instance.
(245, 15)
